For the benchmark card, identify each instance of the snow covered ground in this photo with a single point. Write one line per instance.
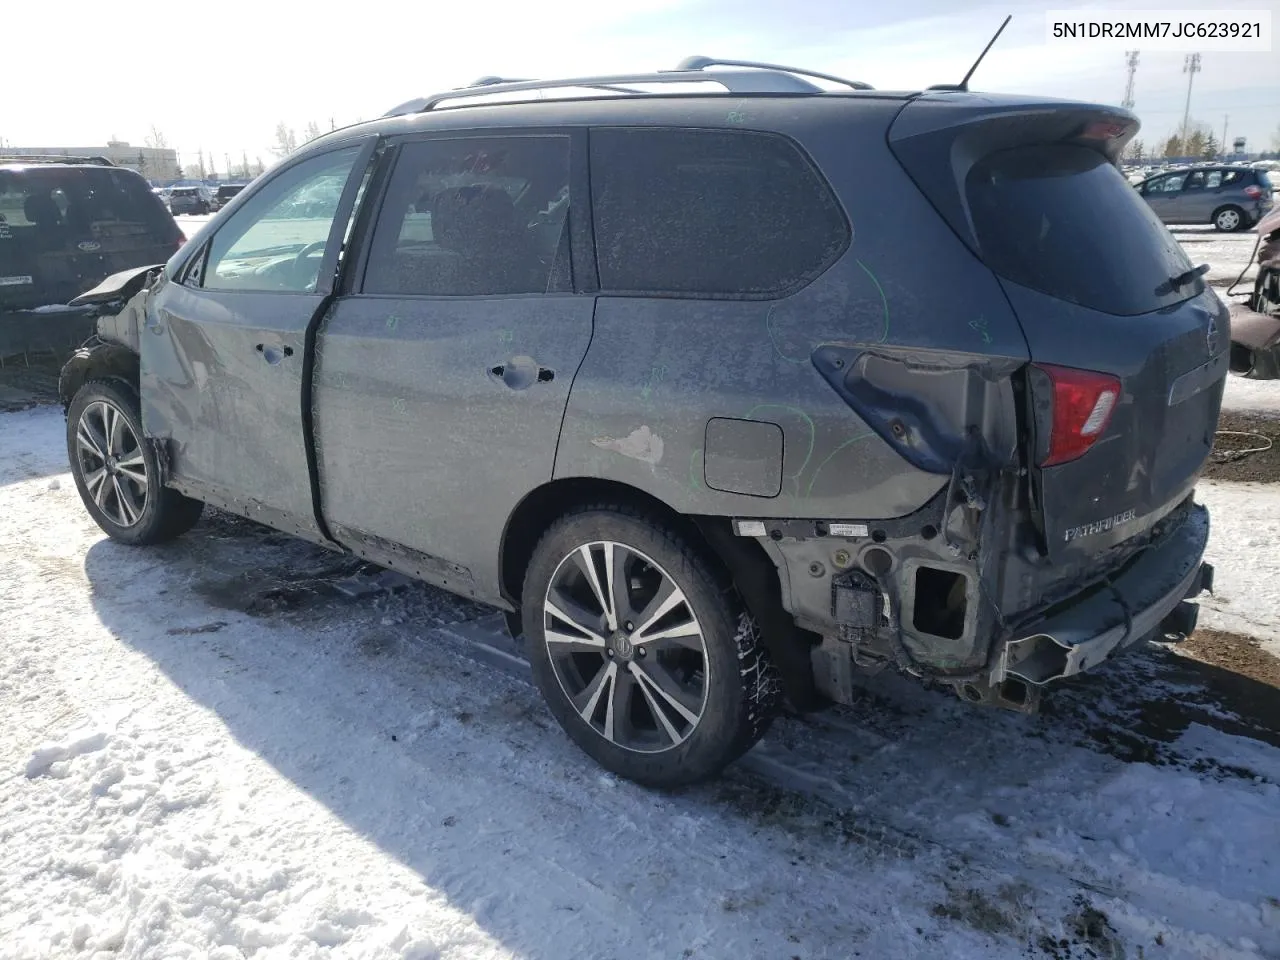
(207, 752)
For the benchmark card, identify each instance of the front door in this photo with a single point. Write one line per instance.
(442, 381)
(223, 354)
(1162, 194)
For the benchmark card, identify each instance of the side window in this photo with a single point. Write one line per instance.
(275, 242)
(1214, 179)
(1174, 184)
(1195, 181)
(716, 213)
(474, 217)
(1231, 176)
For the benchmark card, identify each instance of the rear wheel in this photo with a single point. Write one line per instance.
(646, 658)
(1228, 219)
(116, 471)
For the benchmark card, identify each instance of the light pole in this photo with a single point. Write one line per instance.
(1131, 65)
(1191, 66)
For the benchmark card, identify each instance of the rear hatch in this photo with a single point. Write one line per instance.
(1129, 347)
(64, 229)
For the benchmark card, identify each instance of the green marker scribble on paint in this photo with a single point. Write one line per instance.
(695, 481)
(792, 477)
(980, 325)
(393, 321)
(831, 456)
(773, 338)
(884, 301)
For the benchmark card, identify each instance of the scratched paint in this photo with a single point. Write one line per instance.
(640, 444)
(980, 325)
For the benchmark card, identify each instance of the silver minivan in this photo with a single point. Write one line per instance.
(1229, 197)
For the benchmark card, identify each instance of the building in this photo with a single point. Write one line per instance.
(154, 163)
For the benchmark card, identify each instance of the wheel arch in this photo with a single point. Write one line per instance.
(97, 361)
(739, 560)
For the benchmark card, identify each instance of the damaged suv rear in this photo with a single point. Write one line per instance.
(722, 397)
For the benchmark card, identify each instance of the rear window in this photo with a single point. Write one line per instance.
(709, 213)
(95, 202)
(1062, 219)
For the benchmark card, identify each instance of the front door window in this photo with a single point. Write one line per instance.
(277, 240)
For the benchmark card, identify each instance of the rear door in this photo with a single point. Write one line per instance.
(224, 362)
(1129, 347)
(1198, 200)
(441, 382)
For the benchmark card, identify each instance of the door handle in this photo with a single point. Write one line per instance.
(520, 373)
(273, 355)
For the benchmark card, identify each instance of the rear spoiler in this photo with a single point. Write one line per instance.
(118, 286)
(938, 137)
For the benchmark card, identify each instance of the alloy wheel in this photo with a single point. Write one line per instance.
(626, 647)
(1228, 220)
(111, 463)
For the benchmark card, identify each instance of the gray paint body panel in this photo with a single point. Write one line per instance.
(233, 419)
(418, 441)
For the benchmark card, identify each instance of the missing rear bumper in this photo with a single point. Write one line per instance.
(1149, 599)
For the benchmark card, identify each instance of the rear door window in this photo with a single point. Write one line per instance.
(709, 213)
(476, 216)
(1061, 219)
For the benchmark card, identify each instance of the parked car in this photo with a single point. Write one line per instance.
(66, 224)
(663, 378)
(1255, 323)
(1229, 197)
(190, 201)
(225, 193)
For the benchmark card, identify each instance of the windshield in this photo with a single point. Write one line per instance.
(1063, 220)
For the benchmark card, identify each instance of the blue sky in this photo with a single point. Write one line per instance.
(119, 70)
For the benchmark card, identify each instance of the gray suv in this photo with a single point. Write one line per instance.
(723, 397)
(1230, 198)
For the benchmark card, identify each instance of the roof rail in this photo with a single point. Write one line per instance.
(701, 63)
(751, 77)
(54, 158)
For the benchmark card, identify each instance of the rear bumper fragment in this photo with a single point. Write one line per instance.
(1148, 596)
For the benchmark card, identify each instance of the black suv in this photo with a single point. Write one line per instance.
(723, 396)
(225, 193)
(66, 224)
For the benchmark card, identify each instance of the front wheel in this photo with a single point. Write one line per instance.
(116, 471)
(647, 659)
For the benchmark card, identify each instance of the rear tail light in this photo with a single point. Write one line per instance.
(1252, 192)
(1083, 402)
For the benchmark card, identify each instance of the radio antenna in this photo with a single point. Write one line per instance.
(963, 85)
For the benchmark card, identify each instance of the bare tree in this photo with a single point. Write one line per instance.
(156, 138)
(286, 140)
(312, 132)
(1173, 147)
(1275, 138)
(1136, 150)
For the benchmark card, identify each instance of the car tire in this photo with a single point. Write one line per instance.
(124, 494)
(667, 699)
(1229, 219)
